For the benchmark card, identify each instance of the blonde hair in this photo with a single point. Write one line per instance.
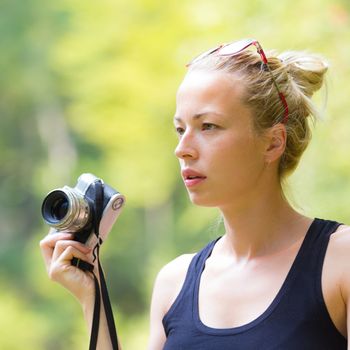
(298, 75)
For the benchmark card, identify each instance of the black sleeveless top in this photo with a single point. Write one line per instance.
(297, 319)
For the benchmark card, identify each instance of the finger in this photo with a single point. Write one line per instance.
(51, 238)
(48, 243)
(62, 245)
(63, 262)
(73, 252)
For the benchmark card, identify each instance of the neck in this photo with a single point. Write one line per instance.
(261, 226)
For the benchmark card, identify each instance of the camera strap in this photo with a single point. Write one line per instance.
(100, 287)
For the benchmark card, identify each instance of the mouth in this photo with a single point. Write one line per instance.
(192, 178)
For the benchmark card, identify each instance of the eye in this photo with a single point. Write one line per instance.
(179, 130)
(209, 126)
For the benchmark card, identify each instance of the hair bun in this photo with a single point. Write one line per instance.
(307, 70)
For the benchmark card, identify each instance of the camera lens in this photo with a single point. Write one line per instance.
(66, 209)
(59, 209)
(55, 207)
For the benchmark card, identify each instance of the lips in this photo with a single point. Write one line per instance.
(192, 177)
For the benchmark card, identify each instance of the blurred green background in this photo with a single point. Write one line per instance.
(89, 86)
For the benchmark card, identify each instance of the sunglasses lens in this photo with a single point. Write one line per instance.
(204, 54)
(236, 47)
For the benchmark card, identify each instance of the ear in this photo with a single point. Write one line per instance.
(276, 138)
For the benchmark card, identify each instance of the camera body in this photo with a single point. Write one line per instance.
(74, 209)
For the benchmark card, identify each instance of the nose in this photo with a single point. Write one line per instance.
(186, 148)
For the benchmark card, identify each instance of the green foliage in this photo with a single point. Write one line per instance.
(90, 86)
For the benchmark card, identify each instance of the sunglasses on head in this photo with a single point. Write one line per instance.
(237, 47)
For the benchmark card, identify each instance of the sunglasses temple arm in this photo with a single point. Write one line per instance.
(286, 109)
(280, 94)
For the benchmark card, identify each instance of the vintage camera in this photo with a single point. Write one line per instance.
(74, 209)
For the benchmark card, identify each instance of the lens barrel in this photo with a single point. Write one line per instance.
(66, 209)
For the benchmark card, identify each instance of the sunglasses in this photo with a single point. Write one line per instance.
(237, 47)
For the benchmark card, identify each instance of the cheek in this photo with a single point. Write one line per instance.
(238, 159)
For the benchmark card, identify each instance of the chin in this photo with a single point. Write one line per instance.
(203, 201)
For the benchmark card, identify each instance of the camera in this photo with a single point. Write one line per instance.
(77, 209)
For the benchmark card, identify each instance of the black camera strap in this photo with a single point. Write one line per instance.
(100, 287)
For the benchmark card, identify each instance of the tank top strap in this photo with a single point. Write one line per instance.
(200, 258)
(314, 246)
(321, 230)
(325, 229)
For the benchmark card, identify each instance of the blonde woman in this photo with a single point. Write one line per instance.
(276, 279)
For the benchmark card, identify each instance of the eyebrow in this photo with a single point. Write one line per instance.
(198, 115)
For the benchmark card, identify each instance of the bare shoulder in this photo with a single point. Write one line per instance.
(338, 256)
(175, 268)
(339, 244)
(340, 239)
(171, 278)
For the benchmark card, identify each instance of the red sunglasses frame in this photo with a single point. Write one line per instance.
(237, 47)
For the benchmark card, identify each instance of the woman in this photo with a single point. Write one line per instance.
(276, 279)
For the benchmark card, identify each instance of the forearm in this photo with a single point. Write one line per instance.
(103, 340)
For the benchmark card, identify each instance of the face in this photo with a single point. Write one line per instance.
(221, 157)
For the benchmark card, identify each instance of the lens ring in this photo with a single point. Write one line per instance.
(55, 207)
(66, 209)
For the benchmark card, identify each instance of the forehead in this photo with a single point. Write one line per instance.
(210, 90)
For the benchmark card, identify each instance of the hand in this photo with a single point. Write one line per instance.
(58, 249)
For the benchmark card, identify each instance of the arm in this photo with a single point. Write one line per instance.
(157, 335)
(103, 341)
(58, 249)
